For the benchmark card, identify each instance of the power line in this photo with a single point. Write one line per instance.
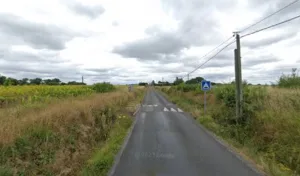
(212, 51)
(211, 57)
(285, 21)
(279, 10)
(215, 48)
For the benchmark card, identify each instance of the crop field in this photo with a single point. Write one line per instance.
(43, 93)
(55, 130)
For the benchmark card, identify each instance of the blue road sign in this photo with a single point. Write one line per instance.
(205, 85)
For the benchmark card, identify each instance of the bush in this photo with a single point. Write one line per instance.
(188, 87)
(103, 87)
(252, 100)
(289, 81)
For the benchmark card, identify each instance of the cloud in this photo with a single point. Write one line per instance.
(24, 69)
(269, 41)
(221, 60)
(115, 23)
(37, 35)
(192, 30)
(249, 62)
(90, 11)
(37, 63)
(153, 48)
(269, 7)
(218, 77)
(22, 56)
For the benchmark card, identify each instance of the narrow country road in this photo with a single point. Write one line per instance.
(166, 142)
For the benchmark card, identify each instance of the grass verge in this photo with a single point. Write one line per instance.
(103, 159)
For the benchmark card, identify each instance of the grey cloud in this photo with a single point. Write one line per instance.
(89, 11)
(99, 70)
(273, 5)
(269, 7)
(44, 64)
(222, 60)
(218, 77)
(37, 35)
(25, 57)
(194, 29)
(250, 62)
(152, 48)
(262, 75)
(48, 68)
(268, 41)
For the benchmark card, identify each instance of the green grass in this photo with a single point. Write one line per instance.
(102, 160)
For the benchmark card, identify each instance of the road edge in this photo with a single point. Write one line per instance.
(218, 139)
(126, 140)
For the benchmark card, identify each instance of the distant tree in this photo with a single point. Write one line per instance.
(294, 72)
(10, 82)
(14, 81)
(54, 81)
(23, 81)
(178, 81)
(196, 80)
(2, 80)
(75, 83)
(153, 83)
(36, 81)
(143, 84)
(7, 82)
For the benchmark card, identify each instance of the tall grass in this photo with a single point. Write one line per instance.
(59, 138)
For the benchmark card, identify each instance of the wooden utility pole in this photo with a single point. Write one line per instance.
(238, 77)
(82, 78)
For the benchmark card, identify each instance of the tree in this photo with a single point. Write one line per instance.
(10, 82)
(74, 83)
(178, 81)
(54, 81)
(153, 83)
(294, 74)
(143, 84)
(196, 80)
(2, 80)
(36, 81)
(23, 81)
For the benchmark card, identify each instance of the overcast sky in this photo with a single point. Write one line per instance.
(143, 40)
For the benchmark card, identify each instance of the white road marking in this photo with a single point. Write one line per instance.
(150, 105)
(179, 110)
(173, 110)
(165, 109)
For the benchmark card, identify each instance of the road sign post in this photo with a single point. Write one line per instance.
(205, 86)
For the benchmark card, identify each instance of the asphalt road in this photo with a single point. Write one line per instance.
(166, 142)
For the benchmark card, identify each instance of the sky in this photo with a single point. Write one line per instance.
(125, 42)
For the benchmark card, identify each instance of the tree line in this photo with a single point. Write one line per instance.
(177, 81)
(8, 81)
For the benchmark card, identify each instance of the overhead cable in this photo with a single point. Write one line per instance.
(271, 26)
(279, 10)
